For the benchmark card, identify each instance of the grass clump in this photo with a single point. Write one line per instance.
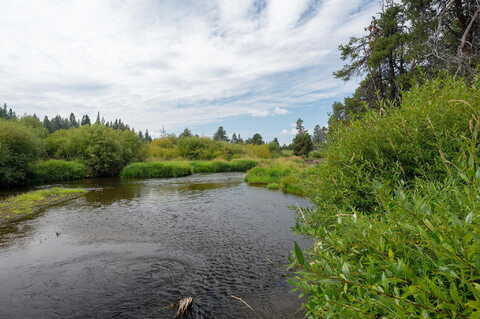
(281, 174)
(273, 186)
(222, 166)
(26, 205)
(396, 222)
(57, 171)
(156, 170)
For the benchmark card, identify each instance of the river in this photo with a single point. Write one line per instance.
(129, 249)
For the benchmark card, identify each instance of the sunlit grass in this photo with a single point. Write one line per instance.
(29, 203)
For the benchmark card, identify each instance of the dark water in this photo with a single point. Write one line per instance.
(130, 249)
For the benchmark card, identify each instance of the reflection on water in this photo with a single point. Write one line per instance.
(128, 249)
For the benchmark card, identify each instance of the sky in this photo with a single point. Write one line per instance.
(248, 65)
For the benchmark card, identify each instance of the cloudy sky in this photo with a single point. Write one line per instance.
(249, 65)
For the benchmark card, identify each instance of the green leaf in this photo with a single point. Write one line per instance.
(298, 254)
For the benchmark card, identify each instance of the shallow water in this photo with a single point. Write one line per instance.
(130, 249)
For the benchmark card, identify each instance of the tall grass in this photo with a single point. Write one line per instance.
(156, 170)
(56, 171)
(280, 174)
(184, 168)
(222, 166)
(396, 223)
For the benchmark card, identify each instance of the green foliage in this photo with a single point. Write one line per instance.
(222, 166)
(273, 186)
(198, 148)
(302, 144)
(56, 171)
(398, 147)
(104, 150)
(267, 175)
(157, 170)
(242, 165)
(287, 176)
(18, 148)
(256, 139)
(396, 221)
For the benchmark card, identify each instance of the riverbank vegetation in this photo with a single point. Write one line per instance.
(64, 149)
(286, 174)
(184, 168)
(27, 205)
(396, 219)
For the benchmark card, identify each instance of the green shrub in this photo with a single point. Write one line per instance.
(56, 171)
(156, 170)
(398, 147)
(18, 148)
(104, 150)
(198, 148)
(396, 221)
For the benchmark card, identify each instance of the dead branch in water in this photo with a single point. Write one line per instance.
(183, 307)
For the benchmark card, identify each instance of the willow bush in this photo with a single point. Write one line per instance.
(396, 224)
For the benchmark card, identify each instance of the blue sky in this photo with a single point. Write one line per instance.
(248, 65)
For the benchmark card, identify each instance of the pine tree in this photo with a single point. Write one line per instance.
(186, 133)
(98, 121)
(220, 135)
(302, 142)
(256, 139)
(85, 120)
(73, 120)
(47, 125)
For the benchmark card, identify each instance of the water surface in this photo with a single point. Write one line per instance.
(130, 249)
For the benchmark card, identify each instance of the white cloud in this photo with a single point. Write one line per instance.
(173, 63)
(289, 132)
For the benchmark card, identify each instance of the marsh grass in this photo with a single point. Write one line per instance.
(26, 205)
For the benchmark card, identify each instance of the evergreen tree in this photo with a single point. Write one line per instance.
(274, 146)
(186, 133)
(319, 135)
(220, 135)
(302, 142)
(47, 125)
(85, 120)
(98, 121)
(256, 139)
(73, 120)
(234, 139)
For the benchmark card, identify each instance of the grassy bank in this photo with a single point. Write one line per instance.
(184, 168)
(396, 222)
(286, 175)
(26, 205)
